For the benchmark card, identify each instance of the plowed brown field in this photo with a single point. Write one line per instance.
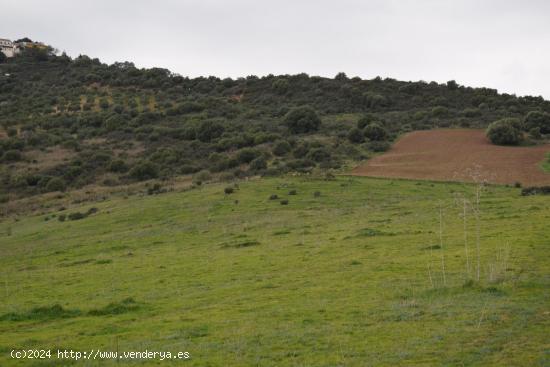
(458, 155)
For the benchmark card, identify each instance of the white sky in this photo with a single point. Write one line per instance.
(499, 44)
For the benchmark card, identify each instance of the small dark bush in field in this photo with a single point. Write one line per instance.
(316, 194)
(91, 211)
(124, 306)
(228, 190)
(292, 192)
(56, 184)
(517, 185)
(156, 189)
(284, 202)
(76, 216)
(273, 197)
(41, 313)
(542, 190)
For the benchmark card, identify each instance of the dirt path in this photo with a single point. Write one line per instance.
(458, 155)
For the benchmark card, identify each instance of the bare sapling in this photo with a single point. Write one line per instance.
(441, 245)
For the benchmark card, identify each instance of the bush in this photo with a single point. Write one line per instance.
(505, 132)
(284, 202)
(318, 155)
(365, 120)
(61, 217)
(273, 197)
(209, 130)
(56, 184)
(144, 171)
(76, 216)
(302, 120)
(258, 164)
(542, 190)
(356, 135)
(118, 165)
(11, 156)
(201, 177)
(292, 192)
(317, 194)
(537, 119)
(228, 190)
(375, 132)
(247, 155)
(281, 148)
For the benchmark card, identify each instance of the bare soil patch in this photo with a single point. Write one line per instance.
(458, 155)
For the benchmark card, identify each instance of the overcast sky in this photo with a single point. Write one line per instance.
(499, 44)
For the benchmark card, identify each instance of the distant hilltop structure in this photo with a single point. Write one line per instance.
(12, 48)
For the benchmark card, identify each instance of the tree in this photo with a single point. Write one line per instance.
(302, 120)
(537, 119)
(3, 57)
(375, 132)
(505, 132)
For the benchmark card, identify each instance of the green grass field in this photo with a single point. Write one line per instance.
(352, 277)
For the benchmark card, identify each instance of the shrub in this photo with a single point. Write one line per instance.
(302, 120)
(202, 176)
(61, 217)
(505, 132)
(247, 155)
(273, 197)
(375, 132)
(535, 133)
(356, 135)
(209, 130)
(11, 155)
(281, 148)
(144, 171)
(537, 119)
(292, 192)
(318, 155)
(76, 216)
(228, 190)
(118, 165)
(378, 146)
(56, 184)
(542, 190)
(284, 202)
(258, 164)
(317, 194)
(365, 120)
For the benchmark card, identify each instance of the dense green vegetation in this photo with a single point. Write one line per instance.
(348, 272)
(84, 122)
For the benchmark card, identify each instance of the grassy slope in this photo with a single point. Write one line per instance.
(341, 279)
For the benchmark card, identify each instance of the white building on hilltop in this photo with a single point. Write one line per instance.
(8, 48)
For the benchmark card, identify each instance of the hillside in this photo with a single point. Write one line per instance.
(70, 123)
(361, 273)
